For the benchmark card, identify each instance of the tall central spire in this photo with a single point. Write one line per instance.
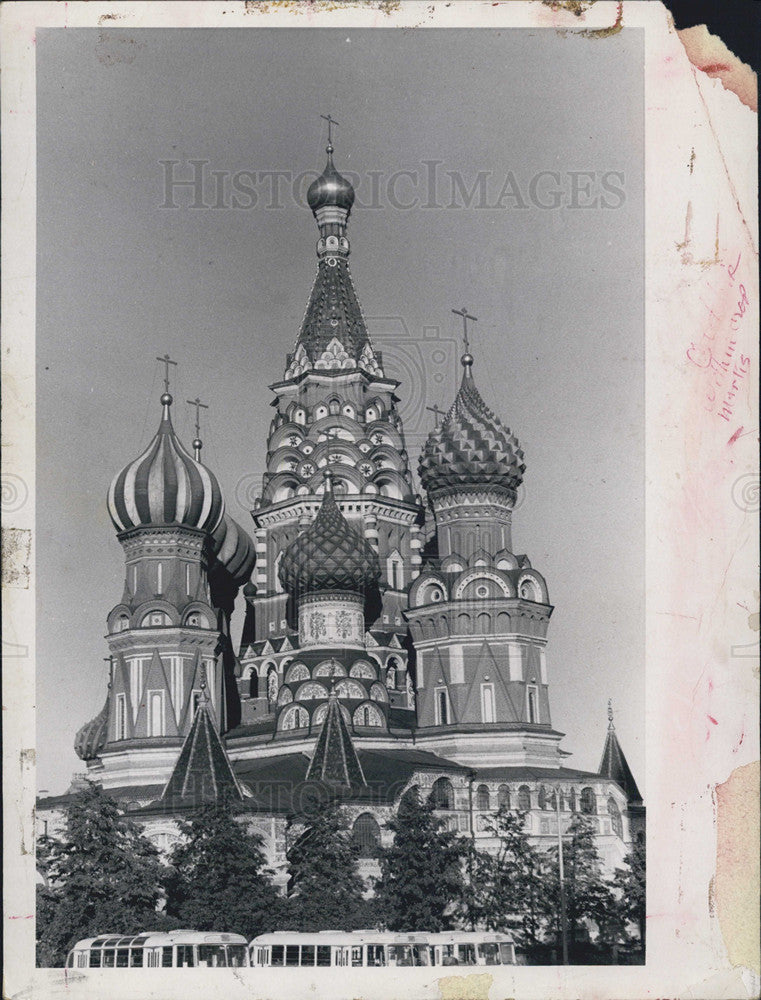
(333, 334)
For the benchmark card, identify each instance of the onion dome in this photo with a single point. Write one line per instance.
(92, 737)
(471, 447)
(165, 485)
(330, 188)
(234, 549)
(329, 555)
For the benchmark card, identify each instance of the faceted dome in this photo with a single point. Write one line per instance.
(329, 555)
(471, 447)
(330, 188)
(165, 485)
(92, 737)
(234, 549)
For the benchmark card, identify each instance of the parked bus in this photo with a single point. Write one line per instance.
(180, 949)
(368, 949)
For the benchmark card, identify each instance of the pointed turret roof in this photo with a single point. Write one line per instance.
(335, 760)
(614, 765)
(203, 772)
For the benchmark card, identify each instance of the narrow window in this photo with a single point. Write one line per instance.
(159, 578)
(155, 713)
(134, 579)
(187, 579)
(121, 717)
(487, 703)
(533, 705)
(442, 707)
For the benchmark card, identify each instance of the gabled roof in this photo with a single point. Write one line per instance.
(335, 760)
(615, 767)
(202, 773)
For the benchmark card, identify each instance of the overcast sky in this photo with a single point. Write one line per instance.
(543, 133)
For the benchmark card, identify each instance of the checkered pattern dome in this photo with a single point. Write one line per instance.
(329, 555)
(471, 447)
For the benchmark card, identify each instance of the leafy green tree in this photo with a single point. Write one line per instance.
(588, 894)
(630, 885)
(218, 878)
(102, 875)
(325, 888)
(509, 883)
(422, 884)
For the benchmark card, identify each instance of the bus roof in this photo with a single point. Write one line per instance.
(154, 939)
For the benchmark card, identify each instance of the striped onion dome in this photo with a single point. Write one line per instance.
(329, 555)
(471, 447)
(234, 549)
(92, 737)
(165, 485)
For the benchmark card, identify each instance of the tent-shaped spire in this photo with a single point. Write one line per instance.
(335, 760)
(614, 765)
(202, 773)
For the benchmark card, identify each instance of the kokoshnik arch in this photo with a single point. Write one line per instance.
(389, 643)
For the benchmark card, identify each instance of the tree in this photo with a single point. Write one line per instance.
(588, 894)
(507, 885)
(102, 875)
(325, 888)
(421, 886)
(218, 878)
(630, 883)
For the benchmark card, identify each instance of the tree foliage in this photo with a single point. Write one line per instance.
(218, 878)
(102, 875)
(325, 888)
(630, 883)
(507, 885)
(422, 884)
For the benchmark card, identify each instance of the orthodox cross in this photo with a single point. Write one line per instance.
(610, 714)
(465, 317)
(166, 362)
(331, 122)
(199, 406)
(436, 412)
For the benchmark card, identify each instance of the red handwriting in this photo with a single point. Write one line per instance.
(726, 370)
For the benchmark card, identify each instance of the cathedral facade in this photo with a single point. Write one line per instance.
(390, 641)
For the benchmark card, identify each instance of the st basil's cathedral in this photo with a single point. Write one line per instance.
(389, 642)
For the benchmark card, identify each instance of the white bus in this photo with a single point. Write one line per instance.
(373, 949)
(180, 949)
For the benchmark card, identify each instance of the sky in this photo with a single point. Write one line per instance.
(501, 170)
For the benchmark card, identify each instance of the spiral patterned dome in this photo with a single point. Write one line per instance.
(471, 447)
(92, 737)
(165, 485)
(329, 555)
(330, 188)
(234, 549)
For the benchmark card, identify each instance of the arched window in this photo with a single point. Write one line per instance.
(253, 683)
(395, 571)
(615, 817)
(366, 836)
(442, 794)
(543, 798)
(483, 800)
(588, 803)
(368, 715)
(572, 800)
(294, 717)
(503, 797)
(391, 669)
(524, 798)
(272, 684)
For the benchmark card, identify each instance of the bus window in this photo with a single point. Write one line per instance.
(278, 954)
(376, 954)
(136, 958)
(420, 954)
(291, 954)
(122, 958)
(466, 954)
(236, 955)
(166, 958)
(94, 958)
(307, 954)
(506, 951)
(342, 955)
(449, 954)
(212, 956)
(185, 957)
(356, 954)
(108, 958)
(81, 960)
(399, 954)
(489, 952)
(323, 954)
